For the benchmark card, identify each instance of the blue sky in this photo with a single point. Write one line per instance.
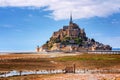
(24, 24)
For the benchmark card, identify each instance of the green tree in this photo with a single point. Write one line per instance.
(78, 41)
(56, 40)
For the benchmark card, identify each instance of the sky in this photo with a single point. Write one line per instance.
(24, 24)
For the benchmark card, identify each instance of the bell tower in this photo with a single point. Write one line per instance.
(71, 19)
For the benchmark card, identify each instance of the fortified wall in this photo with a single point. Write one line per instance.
(72, 38)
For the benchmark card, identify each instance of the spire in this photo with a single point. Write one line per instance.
(71, 18)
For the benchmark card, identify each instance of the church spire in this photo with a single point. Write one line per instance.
(71, 19)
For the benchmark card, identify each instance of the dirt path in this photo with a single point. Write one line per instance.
(82, 77)
(35, 55)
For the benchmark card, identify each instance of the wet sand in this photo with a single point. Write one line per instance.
(38, 61)
(82, 77)
(66, 77)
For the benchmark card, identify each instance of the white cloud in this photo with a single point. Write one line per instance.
(115, 21)
(7, 26)
(62, 8)
(96, 34)
(30, 15)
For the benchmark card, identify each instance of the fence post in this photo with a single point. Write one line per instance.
(20, 73)
(5, 74)
(50, 71)
(36, 71)
(74, 68)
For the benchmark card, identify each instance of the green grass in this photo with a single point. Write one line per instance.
(85, 61)
(89, 57)
(82, 61)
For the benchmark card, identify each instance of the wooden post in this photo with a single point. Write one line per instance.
(20, 73)
(36, 71)
(50, 71)
(5, 74)
(74, 68)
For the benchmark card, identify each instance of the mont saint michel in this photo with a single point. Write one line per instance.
(72, 38)
(77, 40)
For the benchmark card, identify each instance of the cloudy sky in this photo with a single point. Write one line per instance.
(24, 24)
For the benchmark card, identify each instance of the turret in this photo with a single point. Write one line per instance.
(70, 19)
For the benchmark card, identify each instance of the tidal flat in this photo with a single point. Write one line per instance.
(58, 61)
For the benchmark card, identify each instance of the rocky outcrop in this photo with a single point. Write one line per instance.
(72, 38)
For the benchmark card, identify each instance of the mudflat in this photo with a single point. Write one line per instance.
(66, 77)
(58, 61)
(47, 61)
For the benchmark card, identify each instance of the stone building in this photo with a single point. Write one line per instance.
(72, 38)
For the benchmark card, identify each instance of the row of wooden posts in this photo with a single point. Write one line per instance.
(68, 69)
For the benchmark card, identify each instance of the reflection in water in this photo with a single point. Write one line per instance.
(17, 73)
(78, 71)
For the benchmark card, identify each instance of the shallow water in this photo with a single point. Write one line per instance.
(78, 71)
(17, 73)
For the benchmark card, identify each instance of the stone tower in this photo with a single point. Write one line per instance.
(71, 19)
(71, 38)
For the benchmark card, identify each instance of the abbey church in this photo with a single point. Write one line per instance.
(72, 38)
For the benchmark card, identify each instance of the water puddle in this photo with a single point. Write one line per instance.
(79, 71)
(18, 73)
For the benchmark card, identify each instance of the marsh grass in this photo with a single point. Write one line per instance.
(81, 61)
(89, 57)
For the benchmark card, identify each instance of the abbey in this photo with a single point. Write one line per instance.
(72, 31)
(72, 38)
